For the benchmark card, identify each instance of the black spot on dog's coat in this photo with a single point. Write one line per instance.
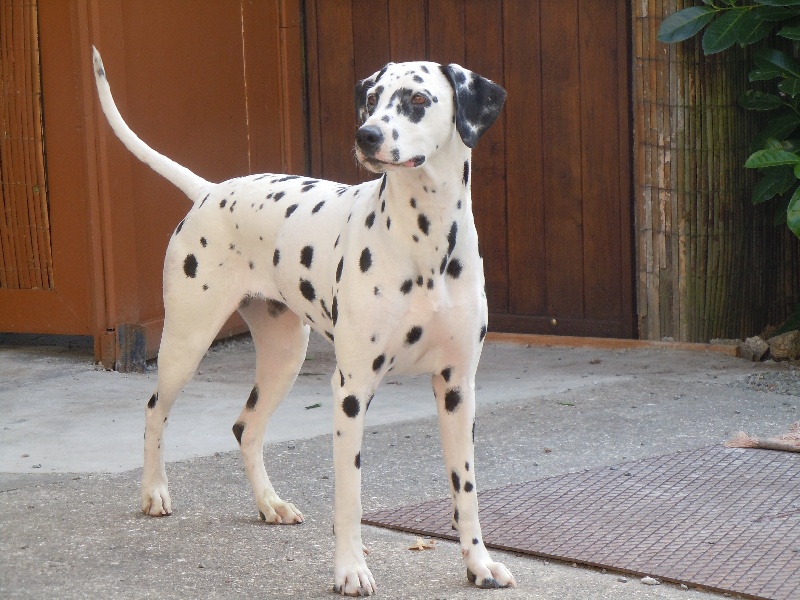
(180, 226)
(357, 461)
(252, 400)
(275, 308)
(307, 289)
(307, 256)
(465, 178)
(451, 237)
(446, 373)
(378, 362)
(405, 288)
(365, 262)
(223, 203)
(203, 242)
(468, 487)
(190, 266)
(351, 406)
(152, 402)
(278, 196)
(456, 481)
(482, 333)
(316, 209)
(276, 257)
(370, 220)
(335, 310)
(423, 223)
(452, 399)
(413, 335)
(339, 268)
(290, 210)
(454, 268)
(238, 430)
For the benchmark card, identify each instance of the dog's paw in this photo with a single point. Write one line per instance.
(354, 578)
(491, 575)
(275, 511)
(156, 502)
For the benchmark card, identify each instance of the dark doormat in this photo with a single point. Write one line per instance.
(723, 519)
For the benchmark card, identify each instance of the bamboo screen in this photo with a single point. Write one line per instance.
(25, 253)
(708, 263)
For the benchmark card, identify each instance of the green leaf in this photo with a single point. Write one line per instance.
(769, 58)
(775, 182)
(780, 128)
(724, 31)
(793, 213)
(790, 86)
(771, 158)
(752, 29)
(756, 100)
(779, 2)
(791, 32)
(763, 74)
(685, 23)
(774, 13)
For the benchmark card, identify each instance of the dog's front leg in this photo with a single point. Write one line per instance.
(352, 577)
(455, 403)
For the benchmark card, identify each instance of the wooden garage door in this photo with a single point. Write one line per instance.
(551, 186)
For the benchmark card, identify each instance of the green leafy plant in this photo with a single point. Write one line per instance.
(775, 151)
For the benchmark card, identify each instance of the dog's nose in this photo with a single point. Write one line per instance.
(369, 138)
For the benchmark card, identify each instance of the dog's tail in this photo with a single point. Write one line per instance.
(190, 184)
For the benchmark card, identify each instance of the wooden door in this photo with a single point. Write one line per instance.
(551, 185)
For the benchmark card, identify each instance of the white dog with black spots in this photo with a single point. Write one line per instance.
(388, 271)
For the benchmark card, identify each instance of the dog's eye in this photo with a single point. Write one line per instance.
(372, 100)
(419, 99)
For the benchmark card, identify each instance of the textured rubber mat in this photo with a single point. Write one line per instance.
(719, 518)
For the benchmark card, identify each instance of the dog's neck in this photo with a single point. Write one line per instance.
(430, 199)
(436, 190)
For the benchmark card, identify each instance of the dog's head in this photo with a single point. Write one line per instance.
(408, 111)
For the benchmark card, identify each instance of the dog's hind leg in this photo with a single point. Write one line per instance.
(188, 332)
(281, 340)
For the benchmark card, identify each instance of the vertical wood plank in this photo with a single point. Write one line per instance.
(526, 202)
(446, 25)
(371, 37)
(484, 21)
(600, 159)
(562, 144)
(407, 30)
(336, 78)
(263, 87)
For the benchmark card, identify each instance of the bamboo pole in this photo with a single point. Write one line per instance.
(709, 264)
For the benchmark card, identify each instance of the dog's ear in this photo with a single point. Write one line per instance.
(478, 102)
(362, 110)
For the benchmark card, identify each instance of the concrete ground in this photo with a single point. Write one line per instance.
(70, 457)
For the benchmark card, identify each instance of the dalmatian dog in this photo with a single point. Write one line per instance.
(388, 271)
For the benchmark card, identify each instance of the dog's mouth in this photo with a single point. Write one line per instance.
(382, 165)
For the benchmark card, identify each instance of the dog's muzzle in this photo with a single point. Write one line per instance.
(369, 139)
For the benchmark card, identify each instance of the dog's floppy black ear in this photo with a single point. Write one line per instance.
(478, 102)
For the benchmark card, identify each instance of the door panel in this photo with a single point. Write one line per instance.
(551, 180)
